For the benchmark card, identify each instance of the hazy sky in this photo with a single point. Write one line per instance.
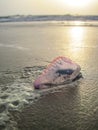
(33, 7)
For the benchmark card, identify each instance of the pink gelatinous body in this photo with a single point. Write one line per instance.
(59, 71)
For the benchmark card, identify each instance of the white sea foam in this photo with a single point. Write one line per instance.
(14, 98)
(14, 95)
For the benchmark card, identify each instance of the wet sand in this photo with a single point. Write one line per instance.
(54, 111)
(30, 48)
(60, 110)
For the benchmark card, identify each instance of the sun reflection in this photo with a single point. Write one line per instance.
(77, 35)
(76, 44)
(78, 23)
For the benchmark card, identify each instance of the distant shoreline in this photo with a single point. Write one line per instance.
(28, 18)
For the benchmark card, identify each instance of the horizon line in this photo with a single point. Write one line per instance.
(48, 15)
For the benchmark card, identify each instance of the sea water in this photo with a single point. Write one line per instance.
(26, 48)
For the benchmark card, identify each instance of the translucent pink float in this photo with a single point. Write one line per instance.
(60, 71)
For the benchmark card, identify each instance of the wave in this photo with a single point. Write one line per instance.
(26, 18)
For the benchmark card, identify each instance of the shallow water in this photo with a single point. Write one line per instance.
(25, 50)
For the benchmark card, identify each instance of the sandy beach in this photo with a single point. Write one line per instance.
(25, 51)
